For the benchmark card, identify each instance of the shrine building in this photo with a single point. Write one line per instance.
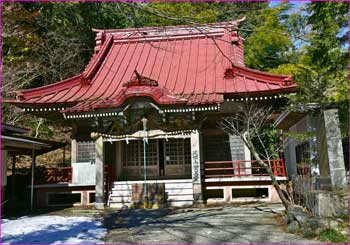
(145, 110)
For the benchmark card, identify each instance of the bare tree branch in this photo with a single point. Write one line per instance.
(248, 124)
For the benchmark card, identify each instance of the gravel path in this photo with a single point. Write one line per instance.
(227, 224)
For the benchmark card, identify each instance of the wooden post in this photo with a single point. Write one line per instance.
(119, 162)
(233, 167)
(196, 169)
(73, 154)
(32, 181)
(283, 168)
(13, 177)
(239, 168)
(99, 186)
(64, 156)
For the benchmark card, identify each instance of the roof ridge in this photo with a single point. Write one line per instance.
(96, 61)
(233, 23)
(277, 78)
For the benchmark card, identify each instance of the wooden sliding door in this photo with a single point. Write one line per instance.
(177, 157)
(134, 161)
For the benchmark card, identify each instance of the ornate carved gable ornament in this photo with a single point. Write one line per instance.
(288, 80)
(229, 73)
(139, 80)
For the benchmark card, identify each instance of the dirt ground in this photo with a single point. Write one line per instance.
(228, 224)
(245, 224)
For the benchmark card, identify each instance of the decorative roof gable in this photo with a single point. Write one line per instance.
(179, 64)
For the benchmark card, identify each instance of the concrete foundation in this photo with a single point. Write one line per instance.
(327, 203)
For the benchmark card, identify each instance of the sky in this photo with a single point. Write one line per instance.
(297, 3)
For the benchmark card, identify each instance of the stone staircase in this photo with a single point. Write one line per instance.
(178, 192)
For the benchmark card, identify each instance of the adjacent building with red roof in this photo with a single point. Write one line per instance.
(151, 97)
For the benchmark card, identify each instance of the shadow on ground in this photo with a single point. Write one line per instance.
(208, 225)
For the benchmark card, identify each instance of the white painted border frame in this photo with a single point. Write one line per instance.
(217, 200)
(88, 197)
(247, 199)
(63, 205)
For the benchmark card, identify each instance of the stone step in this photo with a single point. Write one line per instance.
(117, 205)
(179, 203)
(121, 193)
(178, 185)
(121, 199)
(185, 191)
(181, 197)
(122, 188)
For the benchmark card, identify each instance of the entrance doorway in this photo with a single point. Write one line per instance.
(164, 158)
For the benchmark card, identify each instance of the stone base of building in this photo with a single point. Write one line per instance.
(242, 193)
(64, 195)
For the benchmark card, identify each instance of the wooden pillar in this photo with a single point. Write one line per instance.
(119, 162)
(4, 175)
(290, 157)
(13, 189)
(247, 158)
(99, 186)
(73, 155)
(64, 156)
(196, 168)
(32, 181)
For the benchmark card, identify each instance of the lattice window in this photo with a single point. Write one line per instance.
(151, 152)
(174, 151)
(86, 151)
(302, 152)
(178, 151)
(133, 153)
(216, 148)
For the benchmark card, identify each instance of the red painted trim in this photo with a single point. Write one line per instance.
(260, 75)
(96, 64)
(277, 165)
(56, 175)
(67, 83)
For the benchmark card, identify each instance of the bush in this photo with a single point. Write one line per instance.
(331, 235)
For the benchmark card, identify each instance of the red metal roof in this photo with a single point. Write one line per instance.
(188, 65)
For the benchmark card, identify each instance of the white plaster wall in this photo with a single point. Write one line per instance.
(84, 173)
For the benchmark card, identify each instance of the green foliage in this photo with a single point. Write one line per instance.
(268, 46)
(299, 136)
(319, 61)
(266, 141)
(164, 14)
(331, 235)
(325, 58)
(75, 20)
(182, 13)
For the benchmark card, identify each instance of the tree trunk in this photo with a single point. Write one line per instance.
(287, 203)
